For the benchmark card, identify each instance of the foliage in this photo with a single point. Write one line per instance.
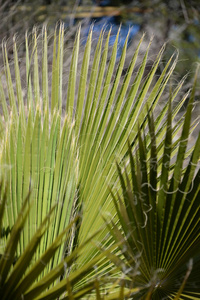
(159, 217)
(30, 274)
(58, 152)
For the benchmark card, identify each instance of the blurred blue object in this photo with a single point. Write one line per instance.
(102, 2)
(105, 3)
(110, 23)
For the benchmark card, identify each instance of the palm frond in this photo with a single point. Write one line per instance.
(158, 216)
(60, 145)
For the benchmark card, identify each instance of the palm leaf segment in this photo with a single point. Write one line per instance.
(159, 215)
(30, 277)
(63, 149)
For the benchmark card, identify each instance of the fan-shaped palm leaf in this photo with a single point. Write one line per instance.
(159, 216)
(63, 149)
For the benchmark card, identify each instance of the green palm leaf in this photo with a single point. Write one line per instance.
(62, 150)
(160, 225)
(34, 282)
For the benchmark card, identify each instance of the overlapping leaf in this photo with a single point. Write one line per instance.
(63, 149)
(159, 216)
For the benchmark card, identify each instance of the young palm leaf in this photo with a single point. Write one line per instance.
(158, 215)
(63, 148)
(35, 283)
